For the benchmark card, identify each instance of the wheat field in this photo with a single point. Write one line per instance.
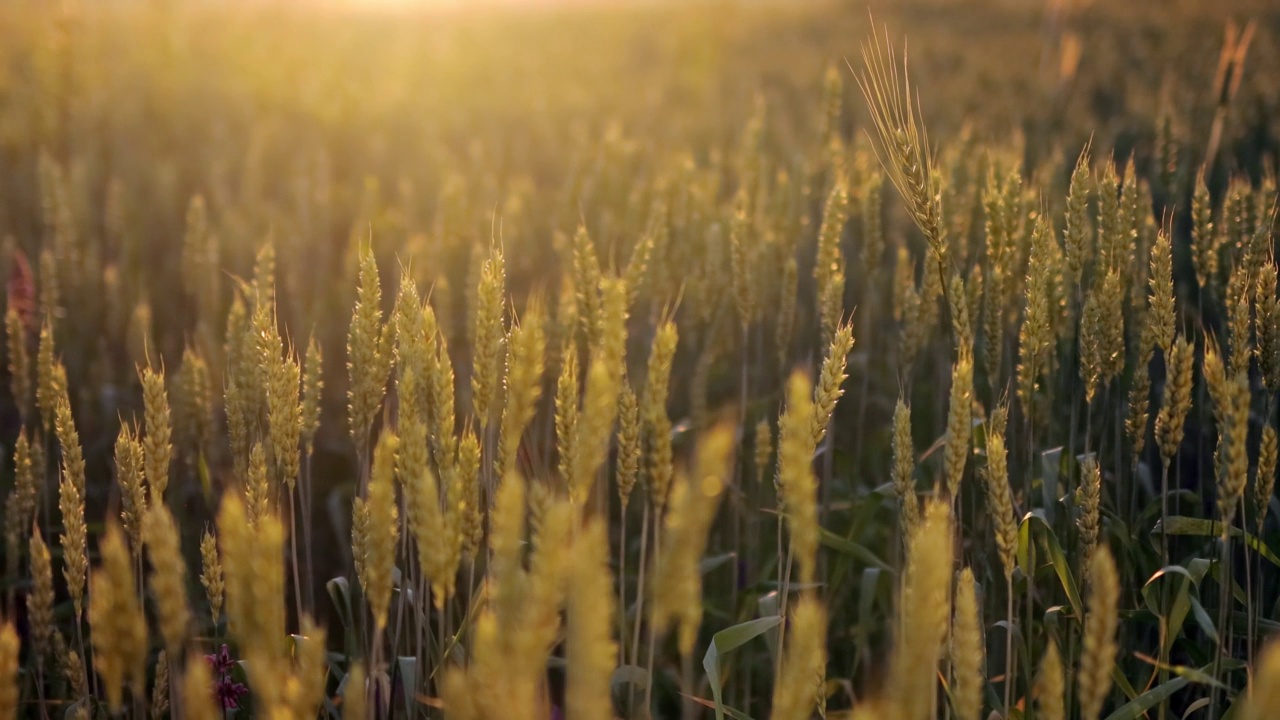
(907, 361)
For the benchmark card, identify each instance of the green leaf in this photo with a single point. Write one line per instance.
(1203, 620)
(408, 665)
(768, 607)
(1179, 603)
(867, 597)
(1056, 557)
(726, 641)
(340, 593)
(1203, 527)
(1050, 464)
(853, 549)
(1197, 705)
(1136, 707)
(1121, 681)
(626, 684)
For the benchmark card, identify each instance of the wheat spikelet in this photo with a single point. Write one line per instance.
(796, 480)
(1089, 498)
(958, 306)
(526, 355)
(966, 649)
(211, 575)
(1078, 241)
(508, 651)
(924, 611)
(40, 600)
(200, 260)
(9, 688)
(804, 661)
(1239, 319)
(1161, 320)
(359, 537)
(906, 308)
(786, 310)
(763, 449)
(133, 491)
(506, 578)
(1206, 236)
(140, 336)
(905, 299)
(1171, 419)
(1139, 403)
(1050, 686)
(1229, 390)
(156, 448)
(304, 688)
(743, 251)
(384, 529)
(628, 459)
(1101, 334)
(51, 377)
(488, 372)
(870, 212)
(904, 465)
(119, 628)
(1235, 215)
(655, 423)
(1111, 223)
(600, 393)
(284, 417)
(1263, 699)
(1267, 325)
(160, 688)
(50, 301)
(264, 273)
(586, 283)
(999, 268)
(1135, 204)
(566, 405)
(193, 412)
(19, 363)
(259, 500)
(677, 583)
(1098, 655)
(252, 560)
(589, 646)
(439, 381)
(168, 577)
(237, 395)
(832, 92)
(74, 538)
(353, 695)
(368, 353)
(999, 500)
(312, 393)
(829, 388)
(1035, 336)
(959, 422)
(197, 695)
(1265, 483)
(437, 538)
(20, 506)
(828, 268)
(636, 274)
(462, 491)
(903, 145)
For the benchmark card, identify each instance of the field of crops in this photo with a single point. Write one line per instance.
(708, 360)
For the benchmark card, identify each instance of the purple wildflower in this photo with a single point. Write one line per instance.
(227, 689)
